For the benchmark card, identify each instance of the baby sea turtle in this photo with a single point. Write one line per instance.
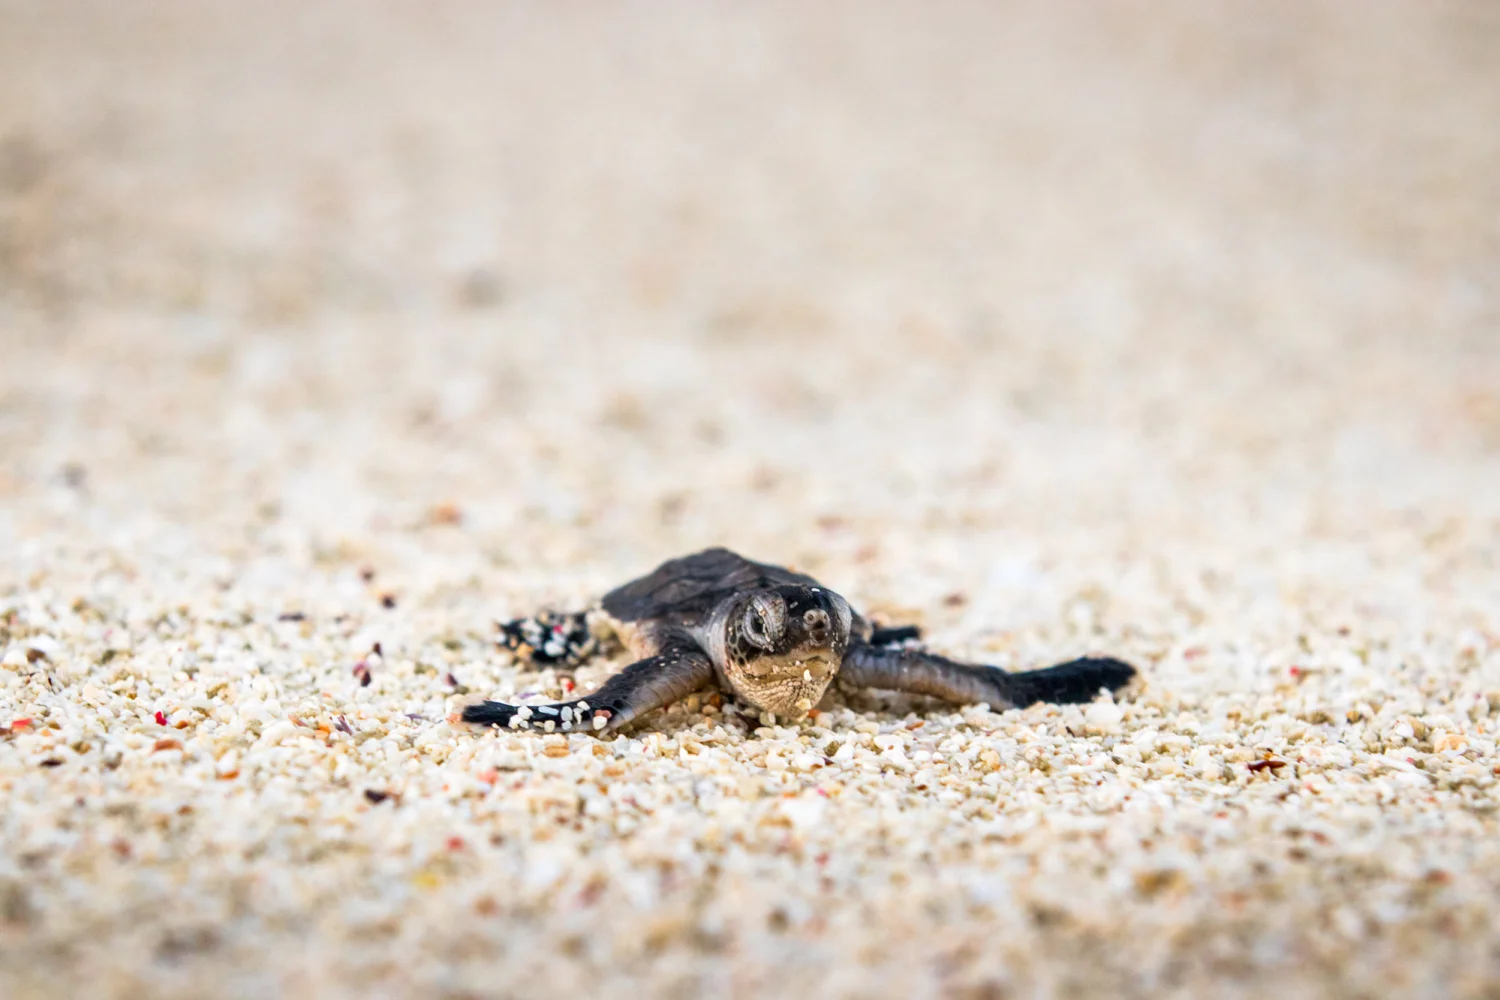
(772, 638)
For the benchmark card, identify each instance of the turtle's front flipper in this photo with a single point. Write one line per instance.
(644, 685)
(551, 639)
(965, 683)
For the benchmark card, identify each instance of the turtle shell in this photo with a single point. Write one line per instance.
(686, 590)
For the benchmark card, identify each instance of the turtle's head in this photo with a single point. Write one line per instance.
(783, 645)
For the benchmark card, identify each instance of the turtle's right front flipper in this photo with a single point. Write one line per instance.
(897, 669)
(644, 685)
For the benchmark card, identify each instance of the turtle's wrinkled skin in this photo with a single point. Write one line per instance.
(772, 638)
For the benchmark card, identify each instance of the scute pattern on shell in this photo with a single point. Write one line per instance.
(688, 588)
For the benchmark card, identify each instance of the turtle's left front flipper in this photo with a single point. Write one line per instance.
(967, 683)
(647, 684)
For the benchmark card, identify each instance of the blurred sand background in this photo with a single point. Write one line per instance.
(1164, 329)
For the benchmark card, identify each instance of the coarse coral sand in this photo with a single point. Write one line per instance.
(333, 333)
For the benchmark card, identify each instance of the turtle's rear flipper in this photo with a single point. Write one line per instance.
(893, 634)
(639, 688)
(550, 639)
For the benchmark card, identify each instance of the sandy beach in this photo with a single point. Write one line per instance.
(332, 334)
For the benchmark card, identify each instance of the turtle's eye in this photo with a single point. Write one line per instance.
(765, 620)
(755, 628)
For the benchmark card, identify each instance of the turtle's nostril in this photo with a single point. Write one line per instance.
(816, 621)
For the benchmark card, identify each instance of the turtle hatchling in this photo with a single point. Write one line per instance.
(770, 638)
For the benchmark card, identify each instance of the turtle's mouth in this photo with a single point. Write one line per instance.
(788, 686)
(810, 666)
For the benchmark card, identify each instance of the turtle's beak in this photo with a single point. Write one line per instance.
(808, 665)
(814, 666)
